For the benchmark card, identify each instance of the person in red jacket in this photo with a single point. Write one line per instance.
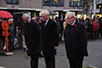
(2, 39)
(95, 28)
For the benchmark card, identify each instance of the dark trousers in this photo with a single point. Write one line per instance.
(77, 63)
(34, 61)
(2, 43)
(50, 61)
(11, 44)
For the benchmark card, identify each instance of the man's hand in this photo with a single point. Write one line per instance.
(55, 47)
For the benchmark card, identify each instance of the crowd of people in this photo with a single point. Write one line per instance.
(93, 27)
(43, 34)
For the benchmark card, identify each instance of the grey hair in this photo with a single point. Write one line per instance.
(11, 19)
(45, 12)
(73, 14)
(27, 16)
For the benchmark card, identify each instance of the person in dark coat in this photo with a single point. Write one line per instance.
(49, 39)
(32, 39)
(75, 41)
(11, 36)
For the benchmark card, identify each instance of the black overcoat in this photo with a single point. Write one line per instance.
(32, 38)
(75, 41)
(49, 37)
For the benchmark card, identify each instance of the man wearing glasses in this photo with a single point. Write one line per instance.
(75, 41)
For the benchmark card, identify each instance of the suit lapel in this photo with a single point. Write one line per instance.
(46, 24)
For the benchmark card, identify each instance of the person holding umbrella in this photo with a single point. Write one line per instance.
(2, 38)
(4, 27)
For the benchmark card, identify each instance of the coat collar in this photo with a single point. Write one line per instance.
(46, 22)
(73, 23)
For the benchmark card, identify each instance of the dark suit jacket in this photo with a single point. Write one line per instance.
(49, 37)
(75, 41)
(32, 38)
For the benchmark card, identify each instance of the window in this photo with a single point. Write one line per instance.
(75, 3)
(53, 2)
(12, 1)
(90, 0)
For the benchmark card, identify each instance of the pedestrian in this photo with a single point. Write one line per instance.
(75, 41)
(32, 39)
(2, 38)
(12, 33)
(49, 39)
(58, 26)
(95, 29)
(61, 31)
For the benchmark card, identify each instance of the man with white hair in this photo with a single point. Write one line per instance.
(32, 39)
(26, 17)
(49, 39)
(12, 32)
(75, 41)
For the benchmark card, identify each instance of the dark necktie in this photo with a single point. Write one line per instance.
(68, 25)
(44, 23)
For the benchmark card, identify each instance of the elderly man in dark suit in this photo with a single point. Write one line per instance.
(32, 39)
(75, 41)
(49, 39)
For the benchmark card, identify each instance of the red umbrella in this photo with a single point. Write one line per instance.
(5, 14)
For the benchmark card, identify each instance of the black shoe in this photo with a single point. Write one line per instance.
(0, 54)
(3, 54)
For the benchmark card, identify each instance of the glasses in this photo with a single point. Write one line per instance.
(43, 16)
(69, 18)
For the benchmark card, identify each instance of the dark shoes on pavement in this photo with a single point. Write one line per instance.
(3, 54)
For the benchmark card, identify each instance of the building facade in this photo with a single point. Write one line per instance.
(35, 6)
(99, 6)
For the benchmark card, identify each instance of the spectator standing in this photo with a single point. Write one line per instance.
(11, 36)
(75, 42)
(32, 39)
(49, 39)
(2, 38)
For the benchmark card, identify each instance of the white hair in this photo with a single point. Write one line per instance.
(45, 12)
(27, 16)
(73, 14)
(11, 19)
